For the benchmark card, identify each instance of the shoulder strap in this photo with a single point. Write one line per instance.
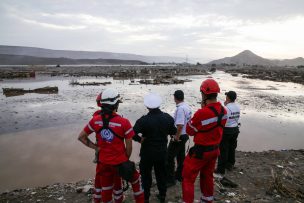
(219, 118)
(219, 115)
(105, 124)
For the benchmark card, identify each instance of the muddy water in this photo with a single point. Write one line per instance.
(38, 133)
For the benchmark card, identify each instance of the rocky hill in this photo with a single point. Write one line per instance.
(249, 58)
(6, 59)
(49, 53)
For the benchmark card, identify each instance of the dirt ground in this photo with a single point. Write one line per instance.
(271, 176)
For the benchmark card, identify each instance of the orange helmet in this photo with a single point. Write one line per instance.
(98, 99)
(209, 86)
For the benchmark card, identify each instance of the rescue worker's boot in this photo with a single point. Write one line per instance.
(228, 183)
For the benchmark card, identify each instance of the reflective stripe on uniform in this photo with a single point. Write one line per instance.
(117, 192)
(138, 193)
(107, 188)
(135, 181)
(89, 126)
(128, 131)
(114, 124)
(191, 126)
(118, 197)
(212, 120)
(210, 198)
(110, 123)
(97, 189)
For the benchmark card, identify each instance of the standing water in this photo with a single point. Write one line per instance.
(38, 132)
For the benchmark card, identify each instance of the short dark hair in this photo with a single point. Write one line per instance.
(179, 95)
(211, 96)
(231, 95)
(109, 108)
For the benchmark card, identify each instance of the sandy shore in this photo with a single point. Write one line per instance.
(271, 176)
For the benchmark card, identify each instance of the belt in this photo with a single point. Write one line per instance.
(206, 148)
(198, 150)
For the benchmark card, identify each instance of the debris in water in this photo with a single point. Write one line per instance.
(10, 92)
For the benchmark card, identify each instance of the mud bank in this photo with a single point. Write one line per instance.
(270, 176)
(117, 72)
(277, 74)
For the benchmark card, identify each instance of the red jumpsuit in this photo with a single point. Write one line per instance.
(203, 119)
(113, 152)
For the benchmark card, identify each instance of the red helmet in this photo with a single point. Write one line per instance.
(209, 86)
(98, 100)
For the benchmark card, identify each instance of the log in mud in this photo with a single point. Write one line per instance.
(10, 92)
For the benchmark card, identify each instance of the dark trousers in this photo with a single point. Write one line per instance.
(175, 149)
(227, 149)
(146, 164)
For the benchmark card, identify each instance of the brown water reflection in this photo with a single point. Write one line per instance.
(44, 156)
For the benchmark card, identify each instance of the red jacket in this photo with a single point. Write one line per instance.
(97, 112)
(205, 119)
(112, 148)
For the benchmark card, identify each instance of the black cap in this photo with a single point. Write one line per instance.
(179, 95)
(231, 95)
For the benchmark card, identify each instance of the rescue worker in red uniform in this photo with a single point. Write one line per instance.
(114, 144)
(207, 128)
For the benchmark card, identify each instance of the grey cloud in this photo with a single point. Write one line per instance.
(199, 28)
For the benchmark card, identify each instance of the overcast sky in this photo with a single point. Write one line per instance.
(200, 29)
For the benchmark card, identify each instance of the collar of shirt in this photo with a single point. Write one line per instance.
(154, 111)
(230, 104)
(179, 104)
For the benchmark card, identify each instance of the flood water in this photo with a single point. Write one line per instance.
(38, 132)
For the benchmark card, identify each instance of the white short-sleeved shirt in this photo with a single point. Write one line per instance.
(182, 115)
(233, 113)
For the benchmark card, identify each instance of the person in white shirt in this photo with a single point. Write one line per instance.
(231, 131)
(177, 144)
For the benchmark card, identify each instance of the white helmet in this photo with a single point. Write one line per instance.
(152, 101)
(110, 96)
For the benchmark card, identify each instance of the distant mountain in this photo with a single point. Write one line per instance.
(249, 58)
(49, 53)
(6, 59)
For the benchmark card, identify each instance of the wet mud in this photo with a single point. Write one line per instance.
(279, 74)
(270, 176)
